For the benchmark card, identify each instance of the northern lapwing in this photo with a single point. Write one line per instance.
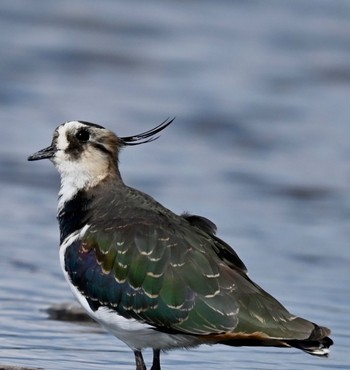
(153, 278)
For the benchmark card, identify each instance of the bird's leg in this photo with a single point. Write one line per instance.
(156, 360)
(140, 364)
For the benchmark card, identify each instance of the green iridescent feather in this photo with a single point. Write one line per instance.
(176, 280)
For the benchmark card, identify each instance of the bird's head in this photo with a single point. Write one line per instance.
(85, 153)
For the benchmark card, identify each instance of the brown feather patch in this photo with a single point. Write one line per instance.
(244, 339)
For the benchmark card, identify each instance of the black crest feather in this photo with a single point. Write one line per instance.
(147, 136)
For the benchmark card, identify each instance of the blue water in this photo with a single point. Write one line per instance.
(260, 145)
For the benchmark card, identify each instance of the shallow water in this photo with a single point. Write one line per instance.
(260, 146)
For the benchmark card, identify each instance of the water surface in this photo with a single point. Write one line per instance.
(260, 146)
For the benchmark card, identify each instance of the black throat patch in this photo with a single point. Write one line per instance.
(74, 214)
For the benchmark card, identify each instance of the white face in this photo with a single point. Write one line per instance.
(75, 158)
(84, 156)
(85, 153)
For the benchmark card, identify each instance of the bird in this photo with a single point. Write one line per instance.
(153, 278)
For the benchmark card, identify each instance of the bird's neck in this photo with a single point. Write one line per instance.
(84, 173)
(77, 205)
(73, 214)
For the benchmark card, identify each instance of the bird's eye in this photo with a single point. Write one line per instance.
(83, 135)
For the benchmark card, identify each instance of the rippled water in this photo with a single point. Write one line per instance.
(260, 146)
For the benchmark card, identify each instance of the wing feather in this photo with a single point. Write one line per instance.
(174, 279)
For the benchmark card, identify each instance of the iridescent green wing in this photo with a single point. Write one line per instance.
(171, 276)
(167, 277)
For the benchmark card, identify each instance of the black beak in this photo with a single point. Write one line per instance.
(48, 152)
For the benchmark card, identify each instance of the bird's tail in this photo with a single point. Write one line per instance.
(317, 344)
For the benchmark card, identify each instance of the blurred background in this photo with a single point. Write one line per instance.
(260, 145)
